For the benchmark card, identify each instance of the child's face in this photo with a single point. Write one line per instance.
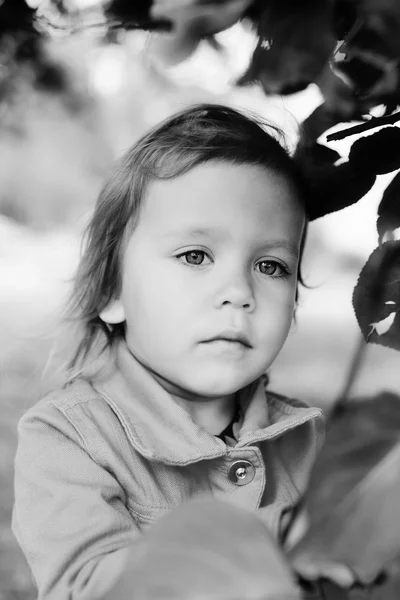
(214, 255)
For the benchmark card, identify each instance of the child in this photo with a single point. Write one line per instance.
(186, 292)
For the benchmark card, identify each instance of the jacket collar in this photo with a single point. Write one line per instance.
(161, 429)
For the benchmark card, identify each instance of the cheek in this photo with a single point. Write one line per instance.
(154, 302)
(277, 314)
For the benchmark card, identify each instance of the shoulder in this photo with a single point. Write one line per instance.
(63, 399)
(70, 408)
(76, 416)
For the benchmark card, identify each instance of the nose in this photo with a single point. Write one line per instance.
(236, 291)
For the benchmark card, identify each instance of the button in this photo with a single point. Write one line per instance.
(241, 472)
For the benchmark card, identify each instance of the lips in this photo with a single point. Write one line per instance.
(230, 336)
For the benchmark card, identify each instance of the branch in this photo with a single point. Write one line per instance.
(49, 25)
(371, 124)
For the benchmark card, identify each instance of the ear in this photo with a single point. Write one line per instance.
(113, 313)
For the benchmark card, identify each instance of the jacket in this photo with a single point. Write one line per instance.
(99, 461)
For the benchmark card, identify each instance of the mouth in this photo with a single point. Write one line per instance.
(234, 337)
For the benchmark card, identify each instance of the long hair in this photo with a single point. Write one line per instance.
(203, 133)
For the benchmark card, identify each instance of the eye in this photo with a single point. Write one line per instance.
(193, 257)
(272, 268)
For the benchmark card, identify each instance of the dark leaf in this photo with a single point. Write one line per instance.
(199, 18)
(316, 124)
(389, 208)
(362, 73)
(379, 152)
(383, 17)
(16, 15)
(340, 99)
(334, 188)
(295, 41)
(376, 297)
(369, 38)
(344, 17)
(316, 158)
(374, 79)
(126, 10)
(135, 15)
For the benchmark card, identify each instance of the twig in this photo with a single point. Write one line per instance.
(358, 23)
(371, 124)
(106, 23)
(353, 372)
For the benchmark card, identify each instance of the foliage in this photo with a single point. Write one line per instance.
(22, 50)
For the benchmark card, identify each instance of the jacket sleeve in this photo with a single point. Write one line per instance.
(69, 515)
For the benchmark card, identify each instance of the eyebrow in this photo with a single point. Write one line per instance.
(198, 232)
(286, 245)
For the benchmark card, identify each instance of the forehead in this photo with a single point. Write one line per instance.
(224, 196)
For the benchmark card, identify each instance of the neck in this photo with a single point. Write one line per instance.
(213, 415)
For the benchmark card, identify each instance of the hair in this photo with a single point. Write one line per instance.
(203, 133)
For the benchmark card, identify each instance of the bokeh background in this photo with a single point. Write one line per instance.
(56, 149)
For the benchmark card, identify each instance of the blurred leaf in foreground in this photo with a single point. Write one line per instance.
(363, 532)
(353, 494)
(208, 549)
(295, 41)
(191, 21)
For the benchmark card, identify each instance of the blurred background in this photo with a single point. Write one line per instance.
(60, 135)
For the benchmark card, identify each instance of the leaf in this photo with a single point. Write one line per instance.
(344, 17)
(383, 17)
(339, 96)
(200, 18)
(362, 73)
(378, 287)
(383, 326)
(335, 188)
(295, 41)
(125, 10)
(358, 439)
(207, 549)
(321, 119)
(192, 20)
(363, 532)
(389, 208)
(16, 16)
(316, 157)
(379, 152)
